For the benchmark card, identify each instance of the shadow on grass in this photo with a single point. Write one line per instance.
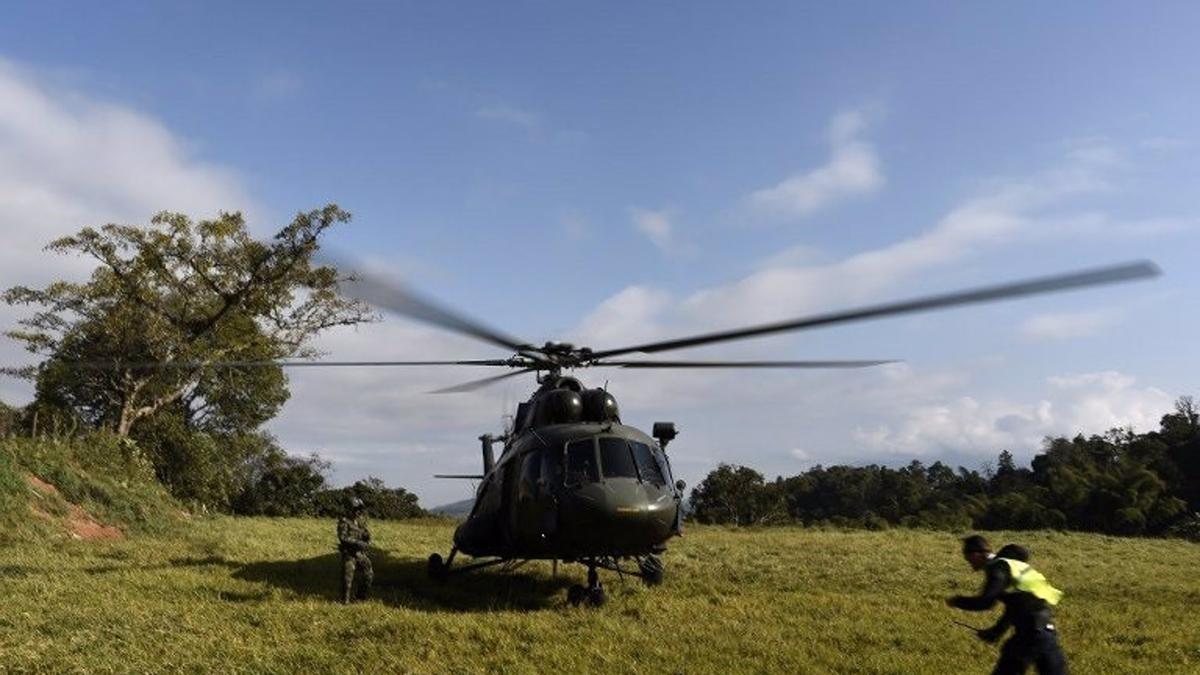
(17, 571)
(403, 582)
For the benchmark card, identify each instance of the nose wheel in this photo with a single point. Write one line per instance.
(651, 569)
(592, 595)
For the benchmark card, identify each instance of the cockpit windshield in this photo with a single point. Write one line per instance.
(615, 459)
(581, 462)
(647, 465)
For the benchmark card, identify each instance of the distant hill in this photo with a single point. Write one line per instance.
(454, 509)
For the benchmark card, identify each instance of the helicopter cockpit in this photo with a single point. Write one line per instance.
(617, 458)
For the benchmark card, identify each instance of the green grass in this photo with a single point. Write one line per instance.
(257, 595)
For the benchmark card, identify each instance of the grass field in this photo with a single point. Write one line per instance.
(257, 595)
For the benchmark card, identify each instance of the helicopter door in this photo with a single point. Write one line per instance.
(527, 517)
(508, 496)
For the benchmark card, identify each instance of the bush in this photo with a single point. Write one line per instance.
(1187, 528)
(1130, 521)
(873, 522)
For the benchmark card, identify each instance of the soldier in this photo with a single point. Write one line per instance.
(1027, 598)
(353, 540)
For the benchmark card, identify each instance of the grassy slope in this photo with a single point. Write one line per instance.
(255, 595)
(108, 478)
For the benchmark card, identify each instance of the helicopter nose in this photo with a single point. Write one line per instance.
(645, 516)
(622, 515)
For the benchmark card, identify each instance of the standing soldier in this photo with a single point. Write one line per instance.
(353, 540)
(1027, 598)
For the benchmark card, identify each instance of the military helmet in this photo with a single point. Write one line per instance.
(356, 504)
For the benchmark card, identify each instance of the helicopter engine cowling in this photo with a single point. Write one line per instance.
(561, 406)
(600, 406)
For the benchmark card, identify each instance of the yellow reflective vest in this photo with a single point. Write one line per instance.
(1025, 579)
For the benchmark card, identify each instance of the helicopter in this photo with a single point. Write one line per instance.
(572, 482)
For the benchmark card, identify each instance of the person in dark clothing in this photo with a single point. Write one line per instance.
(997, 631)
(353, 541)
(1027, 598)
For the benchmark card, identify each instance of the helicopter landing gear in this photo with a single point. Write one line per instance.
(593, 595)
(438, 569)
(651, 570)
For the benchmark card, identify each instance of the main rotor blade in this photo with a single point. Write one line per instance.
(1062, 282)
(406, 302)
(290, 364)
(744, 364)
(479, 384)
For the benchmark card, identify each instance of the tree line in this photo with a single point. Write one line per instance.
(1118, 483)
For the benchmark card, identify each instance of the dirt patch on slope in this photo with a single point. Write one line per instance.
(78, 522)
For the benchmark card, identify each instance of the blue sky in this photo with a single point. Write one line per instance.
(607, 173)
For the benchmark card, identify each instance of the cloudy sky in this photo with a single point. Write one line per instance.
(608, 174)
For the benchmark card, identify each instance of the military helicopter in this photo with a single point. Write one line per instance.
(573, 483)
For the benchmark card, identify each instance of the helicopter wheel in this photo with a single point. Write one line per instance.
(596, 596)
(652, 570)
(438, 570)
(576, 595)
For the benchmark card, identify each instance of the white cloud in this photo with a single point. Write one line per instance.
(634, 314)
(68, 161)
(1087, 403)
(509, 114)
(853, 169)
(1165, 144)
(656, 225)
(536, 126)
(1006, 212)
(1068, 325)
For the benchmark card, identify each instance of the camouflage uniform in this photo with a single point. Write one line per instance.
(353, 541)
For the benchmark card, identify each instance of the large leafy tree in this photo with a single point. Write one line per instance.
(189, 293)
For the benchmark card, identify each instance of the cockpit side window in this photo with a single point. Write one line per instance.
(531, 471)
(615, 458)
(647, 466)
(581, 462)
(552, 466)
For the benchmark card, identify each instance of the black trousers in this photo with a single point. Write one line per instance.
(1037, 648)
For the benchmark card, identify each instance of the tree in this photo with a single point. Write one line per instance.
(737, 495)
(190, 293)
(282, 485)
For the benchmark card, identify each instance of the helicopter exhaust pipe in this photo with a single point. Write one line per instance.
(489, 459)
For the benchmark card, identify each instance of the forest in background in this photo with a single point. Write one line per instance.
(1118, 483)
